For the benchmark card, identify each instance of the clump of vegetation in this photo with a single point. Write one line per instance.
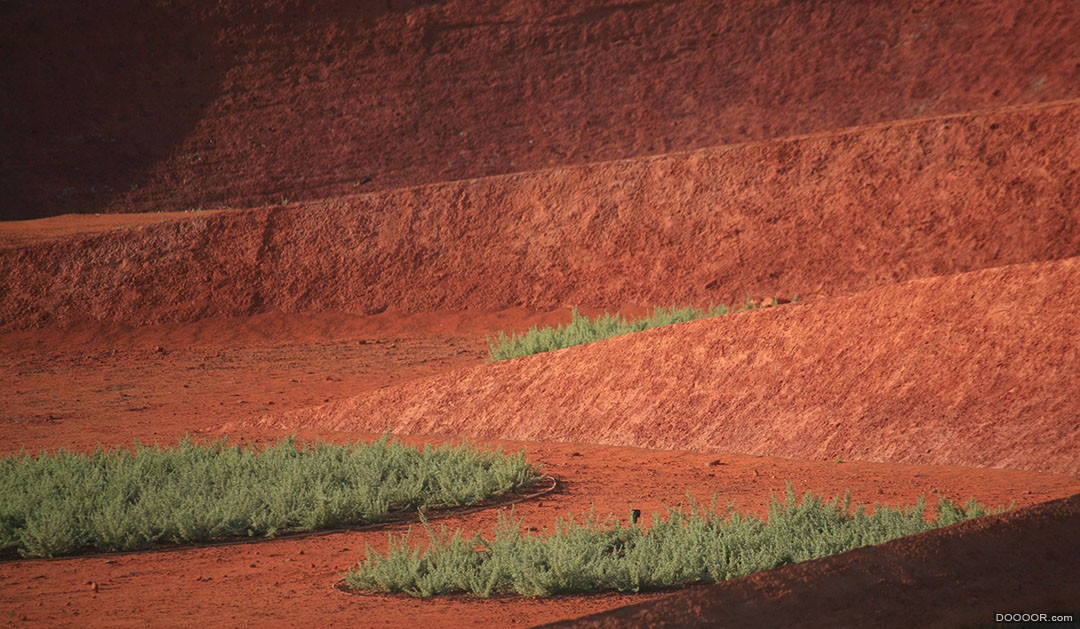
(582, 329)
(117, 500)
(688, 546)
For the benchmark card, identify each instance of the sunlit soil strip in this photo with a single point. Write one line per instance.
(699, 544)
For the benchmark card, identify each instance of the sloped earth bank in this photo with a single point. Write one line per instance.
(818, 215)
(93, 383)
(973, 369)
(290, 581)
(959, 577)
(166, 106)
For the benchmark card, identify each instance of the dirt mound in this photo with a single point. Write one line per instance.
(84, 385)
(815, 215)
(141, 106)
(963, 575)
(976, 369)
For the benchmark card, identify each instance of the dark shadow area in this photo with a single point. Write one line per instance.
(94, 94)
(172, 106)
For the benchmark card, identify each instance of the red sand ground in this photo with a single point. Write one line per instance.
(154, 106)
(938, 259)
(16, 234)
(289, 581)
(109, 384)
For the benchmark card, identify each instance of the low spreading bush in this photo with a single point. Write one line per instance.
(117, 500)
(688, 546)
(582, 329)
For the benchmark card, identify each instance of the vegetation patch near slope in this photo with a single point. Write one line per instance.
(688, 546)
(582, 329)
(63, 503)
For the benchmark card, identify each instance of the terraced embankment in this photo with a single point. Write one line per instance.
(976, 369)
(166, 106)
(817, 215)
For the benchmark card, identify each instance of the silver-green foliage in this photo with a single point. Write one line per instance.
(582, 329)
(688, 546)
(116, 500)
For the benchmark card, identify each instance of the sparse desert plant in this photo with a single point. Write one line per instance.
(582, 329)
(62, 503)
(692, 545)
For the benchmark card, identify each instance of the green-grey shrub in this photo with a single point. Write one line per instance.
(688, 546)
(116, 500)
(582, 329)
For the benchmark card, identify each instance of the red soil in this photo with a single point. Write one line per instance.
(819, 215)
(959, 577)
(94, 384)
(137, 106)
(939, 258)
(109, 384)
(16, 234)
(973, 369)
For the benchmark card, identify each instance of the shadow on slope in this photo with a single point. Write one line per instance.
(227, 104)
(94, 94)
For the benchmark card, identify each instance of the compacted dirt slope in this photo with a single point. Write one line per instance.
(973, 369)
(143, 106)
(815, 215)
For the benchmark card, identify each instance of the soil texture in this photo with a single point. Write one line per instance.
(246, 221)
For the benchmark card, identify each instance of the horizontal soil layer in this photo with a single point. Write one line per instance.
(975, 369)
(816, 215)
(291, 581)
(16, 234)
(141, 106)
(962, 576)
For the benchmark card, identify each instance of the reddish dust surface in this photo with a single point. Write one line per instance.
(972, 369)
(291, 581)
(138, 106)
(15, 234)
(957, 577)
(92, 384)
(821, 215)
(358, 293)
